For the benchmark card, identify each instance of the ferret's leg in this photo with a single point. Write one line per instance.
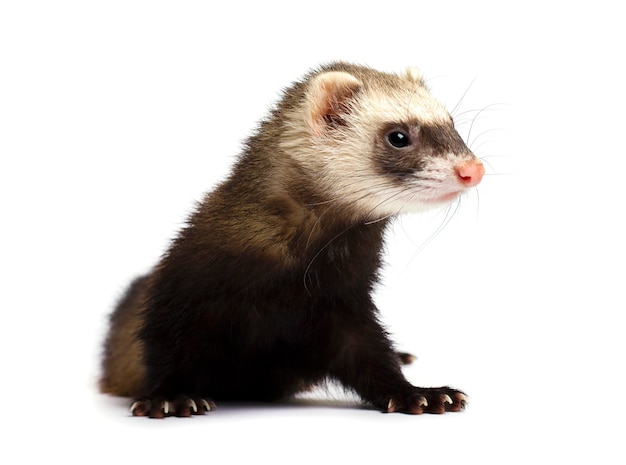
(367, 363)
(170, 384)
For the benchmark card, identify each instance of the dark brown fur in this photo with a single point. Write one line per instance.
(265, 292)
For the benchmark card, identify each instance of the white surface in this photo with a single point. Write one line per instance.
(116, 116)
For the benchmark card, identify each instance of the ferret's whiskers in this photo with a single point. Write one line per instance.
(471, 143)
(477, 202)
(478, 113)
(456, 107)
(370, 190)
(382, 218)
(446, 220)
(308, 268)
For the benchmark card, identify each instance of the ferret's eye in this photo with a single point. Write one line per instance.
(398, 139)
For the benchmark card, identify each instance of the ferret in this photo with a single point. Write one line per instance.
(266, 292)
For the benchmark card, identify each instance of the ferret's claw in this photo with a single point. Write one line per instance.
(135, 407)
(208, 405)
(193, 406)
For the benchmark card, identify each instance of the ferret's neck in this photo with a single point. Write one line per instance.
(348, 260)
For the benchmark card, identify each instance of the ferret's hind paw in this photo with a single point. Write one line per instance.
(429, 400)
(181, 406)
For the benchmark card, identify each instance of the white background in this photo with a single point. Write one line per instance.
(116, 116)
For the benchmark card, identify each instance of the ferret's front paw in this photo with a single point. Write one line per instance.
(428, 400)
(181, 406)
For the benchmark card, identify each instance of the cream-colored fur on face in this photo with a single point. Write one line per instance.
(342, 157)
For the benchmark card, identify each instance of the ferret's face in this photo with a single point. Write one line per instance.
(384, 145)
(419, 158)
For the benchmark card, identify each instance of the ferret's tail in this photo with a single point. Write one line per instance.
(122, 363)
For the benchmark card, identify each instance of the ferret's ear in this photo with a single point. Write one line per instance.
(415, 75)
(328, 98)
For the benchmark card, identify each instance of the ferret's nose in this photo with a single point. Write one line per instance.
(470, 173)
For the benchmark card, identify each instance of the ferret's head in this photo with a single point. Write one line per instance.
(378, 142)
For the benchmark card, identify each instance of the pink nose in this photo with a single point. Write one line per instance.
(470, 173)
